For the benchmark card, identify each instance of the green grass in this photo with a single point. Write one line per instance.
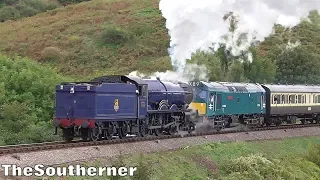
(79, 39)
(286, 159)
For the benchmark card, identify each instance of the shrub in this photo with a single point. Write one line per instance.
(8, 13)
(113, 35)
(9, 2)
(28, 101)
(66, 2)
(52, 54)
(40, 5)
(254, 167)
(25, 10)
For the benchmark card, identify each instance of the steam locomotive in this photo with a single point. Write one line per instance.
(122, 105)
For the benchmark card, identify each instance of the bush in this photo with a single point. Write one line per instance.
(52, 54)
(27, 100)
(113, 35)
(25, 8)
(8, 13)
(9, 2)
(254, 167)
(66, 2)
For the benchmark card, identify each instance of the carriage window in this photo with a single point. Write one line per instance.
(286, 98)
(278, 99)
(274, 99)
(292, 99)
(314, 98)
(309, 98)
(282, 99)
(303, 99)
(318, 99)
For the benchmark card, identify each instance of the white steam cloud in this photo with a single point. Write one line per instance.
(191, 72)
(199, 24)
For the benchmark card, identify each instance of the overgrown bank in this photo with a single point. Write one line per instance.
(293, 158)
(27, 96)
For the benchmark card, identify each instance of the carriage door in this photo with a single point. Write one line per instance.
(142, 101)
(261, 102)
(218, 104)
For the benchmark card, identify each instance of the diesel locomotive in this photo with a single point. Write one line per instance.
(223, 103)
(122, 105)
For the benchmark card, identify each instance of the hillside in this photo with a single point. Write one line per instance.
(104, 36)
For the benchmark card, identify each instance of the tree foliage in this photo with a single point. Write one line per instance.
(12, 9)
(16, 9)
(27, 93)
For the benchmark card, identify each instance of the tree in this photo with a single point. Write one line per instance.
(298, 66)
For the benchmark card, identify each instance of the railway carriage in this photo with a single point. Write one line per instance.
(287, 103)
(224, 103)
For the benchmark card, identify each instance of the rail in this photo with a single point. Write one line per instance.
(25, 148)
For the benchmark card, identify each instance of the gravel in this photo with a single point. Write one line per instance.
(66, 156)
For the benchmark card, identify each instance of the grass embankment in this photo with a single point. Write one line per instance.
(293, 158)
(100, 36)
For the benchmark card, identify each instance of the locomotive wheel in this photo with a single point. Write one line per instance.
(68, 134)
(172, 130)
(143, 130)
(94, 133)
(122, 131)
(107, 135)
(158, 132)
(317, 120)
(84, 134)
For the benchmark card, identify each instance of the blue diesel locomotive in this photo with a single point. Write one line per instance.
(224, 103)
(121, 105)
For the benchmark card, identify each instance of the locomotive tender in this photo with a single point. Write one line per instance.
(121, 105)
(223, 103)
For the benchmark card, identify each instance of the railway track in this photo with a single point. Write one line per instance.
(24, 148)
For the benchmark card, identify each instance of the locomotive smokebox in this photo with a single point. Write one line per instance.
(188, 92)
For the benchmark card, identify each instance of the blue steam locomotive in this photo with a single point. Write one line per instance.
(120, 105)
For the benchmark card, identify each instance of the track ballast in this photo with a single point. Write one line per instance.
(25, 148)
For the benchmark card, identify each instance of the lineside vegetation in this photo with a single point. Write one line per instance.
(293, 158)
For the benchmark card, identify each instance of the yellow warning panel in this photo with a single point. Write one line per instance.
(201, 107)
